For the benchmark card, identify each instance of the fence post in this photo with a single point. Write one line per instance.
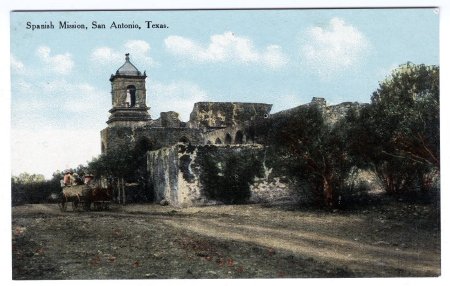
(123, 192)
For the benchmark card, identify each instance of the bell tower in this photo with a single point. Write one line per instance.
(128, 97)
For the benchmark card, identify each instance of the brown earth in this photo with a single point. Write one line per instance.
(240, 241)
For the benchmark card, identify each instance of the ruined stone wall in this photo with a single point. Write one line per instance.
(229, 135)
(170, 119)
(334, 113)
(119, 136)
(165, 169)
(274, 189)
(171, 179)
(225, 114)
(186, 175)
(331, 113)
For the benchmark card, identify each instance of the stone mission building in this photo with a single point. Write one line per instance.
(189, 158)
(210, 122)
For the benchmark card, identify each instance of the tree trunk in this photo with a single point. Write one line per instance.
(393, 186)
(123, 192)
(327, 192)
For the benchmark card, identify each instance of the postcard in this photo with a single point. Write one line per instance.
(225, 143)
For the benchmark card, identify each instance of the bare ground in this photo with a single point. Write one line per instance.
(240, 241)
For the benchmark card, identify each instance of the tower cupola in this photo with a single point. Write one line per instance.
(128, 68)
(128, 93)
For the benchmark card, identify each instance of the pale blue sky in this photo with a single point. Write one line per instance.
(60, 78)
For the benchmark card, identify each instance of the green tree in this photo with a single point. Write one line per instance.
(26, 178)
(32, 188)
(122, 161)
(125, 164)
(227, 177)
(397, 135)
(115, 163)
(406, 109)
(309, 148)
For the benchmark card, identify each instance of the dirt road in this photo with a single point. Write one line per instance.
(245, 241)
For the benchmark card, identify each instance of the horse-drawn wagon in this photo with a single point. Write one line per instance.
(83, 196)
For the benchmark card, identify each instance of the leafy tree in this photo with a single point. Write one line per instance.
(57, 175)
(406, 109)
(227, 176)
(115, 163)
(122, 161)
(125, 164)
(32, 188)
(311, 147)
(397, 135)
(26, 178)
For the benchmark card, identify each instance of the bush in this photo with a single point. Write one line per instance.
(227, 176)
(34, 192)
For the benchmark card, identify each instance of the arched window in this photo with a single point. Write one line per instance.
(218, 141)
(130, 100)
(238, 139)
(145, 144)
(228, 138)
(251, 134)
(184, 140)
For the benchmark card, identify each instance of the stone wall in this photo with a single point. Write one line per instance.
(274, 189)
(213, 159)
(170, 119)
(225, 114)
(165, 171)
(227, 136)
(184, 175)
(334, 113)
(119, 136)
(331, 113)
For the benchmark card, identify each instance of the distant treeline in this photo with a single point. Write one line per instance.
(33, 188)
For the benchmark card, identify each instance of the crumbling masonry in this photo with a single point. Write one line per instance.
(197, 160)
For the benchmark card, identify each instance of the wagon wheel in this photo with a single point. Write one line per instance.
(62, 206)
(62, 202)
(75, 205)
(87, 205)
(99, 206)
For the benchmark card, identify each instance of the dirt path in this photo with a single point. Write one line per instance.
(151, 241)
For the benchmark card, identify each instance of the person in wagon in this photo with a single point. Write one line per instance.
(76, 179)
(66, 179)
(88, 179)
(62, 184)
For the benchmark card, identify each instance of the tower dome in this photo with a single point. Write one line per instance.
(128, 68)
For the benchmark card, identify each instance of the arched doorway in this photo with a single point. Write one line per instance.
(145, 144)
(239, 138)
(228, 138)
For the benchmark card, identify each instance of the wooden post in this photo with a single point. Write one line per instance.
(118, 191)
(123, 192)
